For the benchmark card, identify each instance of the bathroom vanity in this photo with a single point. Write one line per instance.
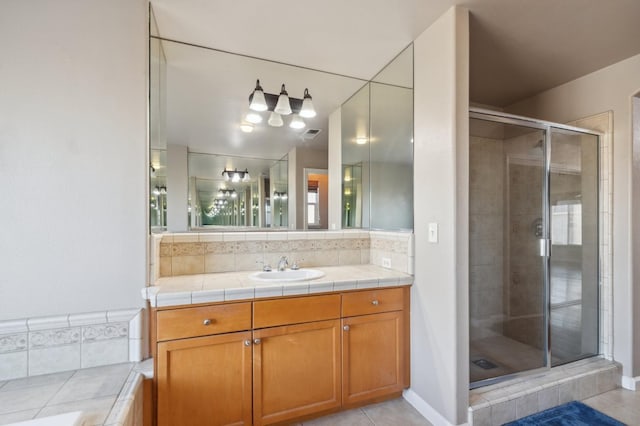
(259, 360)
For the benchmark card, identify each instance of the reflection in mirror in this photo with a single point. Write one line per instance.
(377, 150)
(200, 99)
(236, 192)
(278, 180)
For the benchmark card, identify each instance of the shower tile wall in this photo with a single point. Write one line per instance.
(486, 218)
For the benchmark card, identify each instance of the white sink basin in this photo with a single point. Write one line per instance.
(288, 275)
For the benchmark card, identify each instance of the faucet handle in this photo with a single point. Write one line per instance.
(295, 265)
(265, 266)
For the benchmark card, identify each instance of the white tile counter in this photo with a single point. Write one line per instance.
(227, 286)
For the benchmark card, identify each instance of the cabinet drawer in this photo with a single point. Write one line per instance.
(203, 321)
(295, 310)
(372, 302)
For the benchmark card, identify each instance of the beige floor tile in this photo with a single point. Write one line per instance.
(394, 412)
(621, 404)
(346, 418)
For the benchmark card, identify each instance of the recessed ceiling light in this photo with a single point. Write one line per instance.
(246, 127)
(361, 141)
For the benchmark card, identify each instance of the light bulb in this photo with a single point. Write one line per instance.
(253, 117)
(283, 106)
(235, 178)
(275, 120)
(258, 102)
(296, 122)
(307, 110)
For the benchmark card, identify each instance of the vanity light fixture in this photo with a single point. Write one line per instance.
(296, 122)
(227, 193)
(283, 107)
(160, 190)
(236, 175)
(280, 195)
(258, 102)
(279, 105)
(152, 170)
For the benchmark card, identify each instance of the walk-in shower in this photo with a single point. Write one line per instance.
(533, 245)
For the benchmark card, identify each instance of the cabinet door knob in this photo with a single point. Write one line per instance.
(375, 302)
(247, 342)
(346, 328)
(206, 322)
(256, 341)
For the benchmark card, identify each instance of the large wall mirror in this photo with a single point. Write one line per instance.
(377, 150)
(199, 101)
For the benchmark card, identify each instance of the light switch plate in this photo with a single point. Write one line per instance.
(433, 232)
(386, 262)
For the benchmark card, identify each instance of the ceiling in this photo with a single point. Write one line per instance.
(517, 48)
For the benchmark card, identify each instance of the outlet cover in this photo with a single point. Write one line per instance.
(386, 262)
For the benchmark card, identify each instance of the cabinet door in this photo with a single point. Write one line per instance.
(296, 370)
(205, 381)
(372, 356)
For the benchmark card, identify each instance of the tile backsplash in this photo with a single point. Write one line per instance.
(44, 345)
(198, 253)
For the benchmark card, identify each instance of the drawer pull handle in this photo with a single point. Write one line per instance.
(206, 322)
(256, 341)
(375, 302)
(247, 342)
(346, 328)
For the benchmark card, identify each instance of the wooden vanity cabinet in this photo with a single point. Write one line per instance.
(296, 357)
(279, 360)
(373, 345)
(204, 380)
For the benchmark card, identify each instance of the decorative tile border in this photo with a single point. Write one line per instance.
(196, 253)
(65, 342)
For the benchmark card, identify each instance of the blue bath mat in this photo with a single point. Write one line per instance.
(570, 414)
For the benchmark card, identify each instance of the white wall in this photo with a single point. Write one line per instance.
(610, 88)
(73, 156)
(439, 304)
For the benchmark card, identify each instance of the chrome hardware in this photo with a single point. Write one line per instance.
(283, 263)
(265, 266)
(346, 328)
(545, 246)
(295, 265)
(374, 302)
(247, 342)
(206, 322)
(256, 341)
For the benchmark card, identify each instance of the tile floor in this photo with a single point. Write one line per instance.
(621, 404)
(396, 412)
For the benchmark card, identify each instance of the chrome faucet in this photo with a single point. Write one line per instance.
(283, 263)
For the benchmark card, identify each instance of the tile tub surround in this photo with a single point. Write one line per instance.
(520, 397)
(208, 288)
(107, 395)
(43, 345)
(197, 253)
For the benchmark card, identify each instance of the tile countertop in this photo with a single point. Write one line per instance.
(226, 286)
(104, 395)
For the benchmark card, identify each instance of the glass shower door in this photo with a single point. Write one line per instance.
(508, 299)
(574, 246)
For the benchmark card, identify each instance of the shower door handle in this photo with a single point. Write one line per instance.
(545, 247)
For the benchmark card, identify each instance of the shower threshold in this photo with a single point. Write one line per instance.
(520, 396)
